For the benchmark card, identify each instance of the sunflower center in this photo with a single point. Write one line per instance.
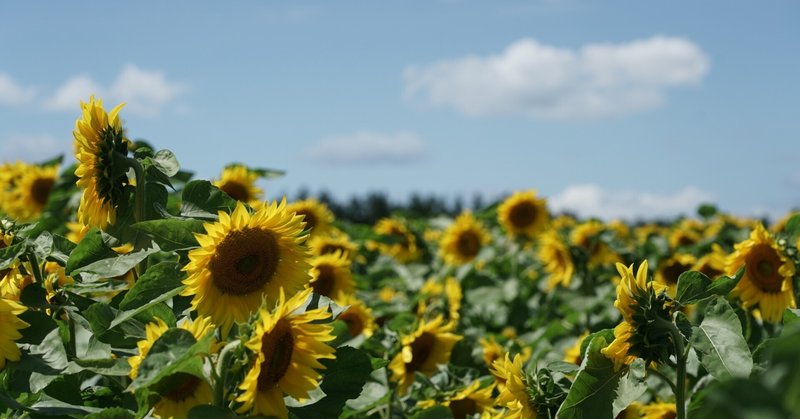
(709, 270)
(523, 214)
(40, 190)
(111, 183)
(463, 408)
(236, 191)
(326, 279)
(309, 218)
(762, 267)
(244, 261)
(277, 346)
(186, 384)
(421, 350)
(354, 323)
(469, 244)
(673, 271)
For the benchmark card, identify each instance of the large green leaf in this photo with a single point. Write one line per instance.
(158, 280)
(695, 286)
(203, 200)
(172, 234)
(344, 378)
(719, 342)
(175, 351)
(92, 248)
(738, 398)
(166, 162)
(127, 315)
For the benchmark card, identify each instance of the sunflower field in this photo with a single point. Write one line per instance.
(131, 289)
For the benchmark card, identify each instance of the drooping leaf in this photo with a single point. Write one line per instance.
(175, 351)
(158, 280)
(172, 234)
(719, 342)
(203, 200)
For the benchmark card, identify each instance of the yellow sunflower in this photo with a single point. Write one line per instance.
(523, 214)
(557, 260)
(514, 392)
(76, 232)
(687, 233)
(358, 316)
(288, 346)
(189, 390)
(330, 275)
(492, 350)
(620, 229)
(399, 242)
(432, 291)
(428, 346)
(99, 142)
(563, 221)
(670, 269)
(658, 410)
(10, 324)
(767, 281)
(469, 401)
(10, 174)
(585, 235)
(331, 242)
(573, 354)
(239, 183)
(462, 240)
(31, 191)
(388, 295)
(316, 214)
(13, 281)
(244, 258)
(712, 264)
(633, 411)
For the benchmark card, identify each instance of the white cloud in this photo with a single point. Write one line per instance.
(532, 79)
(145, 92)
(368, 147)
(33, 147)
(593, 201)
(11, 93)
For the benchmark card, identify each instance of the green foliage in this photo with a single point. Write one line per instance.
(720, 344)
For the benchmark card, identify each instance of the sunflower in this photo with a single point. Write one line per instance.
(633, 411)
(99, 143)
(712, 264)
(13, 281)
(397, 241)
(331, 242)
(492, 350)
(462, 240)
(469, 401)
(288, 346)
(358, 316)
(31, 191)
(56, 279)
(243, 258)
(188, 390)
(428, 346)
(688, 232)
(557, 260)
(658, 410)
(316, 214)
(239, 183)
(77, 231)
(514, 391)
(670, 269)
(432, 291)
(586, 236)
(767, 280)
(563, 221)
(573, 354)
(620, 229)
(330, 275)
(10, 324)
(10, 174)
(523, 214)
(388, 294)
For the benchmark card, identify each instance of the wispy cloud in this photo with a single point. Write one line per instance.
(366, 147)
(12, 93)
(33, 147)
(594, 201)
(537, 80)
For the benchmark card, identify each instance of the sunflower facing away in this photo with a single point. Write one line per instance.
(316, 214)
(10, 325)
(243, 258)
(99, 142)
(767, 280)
(428, 346)
(554, 254)
(523, 214)
(188, 390)
(30, 193)
(330, 275)
(288, 347)
(462, 240)
(470, 400)
(239, 183)
(514, 391)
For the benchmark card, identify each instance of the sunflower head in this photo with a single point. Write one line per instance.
(462, 240)
(239, 183)
(688, 232)
(428, 346)
(557, 259)
(10, 325)
(712, 264)
(358, 316)
(100, 143)
(767, 281)
(332, 242)
(468, 401)
(244, 258)
(523, 214)
(658, 410)
(287, 346)
(587, 236)
(330, 275)
(316, 215)
(28, 197)
(670, 269)
(10, 173)
(514, 395)
(395, 240)
(431, 295)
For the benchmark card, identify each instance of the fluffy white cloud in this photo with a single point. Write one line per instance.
(593, 201)
(145, 92)
(11, 93)
(33, 147)
(532, 79)
(368, 147)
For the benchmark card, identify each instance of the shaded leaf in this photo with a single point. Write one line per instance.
(172, 234)
(719, 342)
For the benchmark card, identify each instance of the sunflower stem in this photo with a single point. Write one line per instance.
(37, 273)
(664, 378)
(139, 213)
(681, 353)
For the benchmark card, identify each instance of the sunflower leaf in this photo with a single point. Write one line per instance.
(172, 234)
(176, 351)
(166, 162)
(719, 342)
(695, 286)
(203, 200)
(158, 280)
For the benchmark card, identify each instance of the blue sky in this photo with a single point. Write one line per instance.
(617, 108)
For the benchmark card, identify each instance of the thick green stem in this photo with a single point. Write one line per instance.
(37, 273)
(140, 197)
(680, 356)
